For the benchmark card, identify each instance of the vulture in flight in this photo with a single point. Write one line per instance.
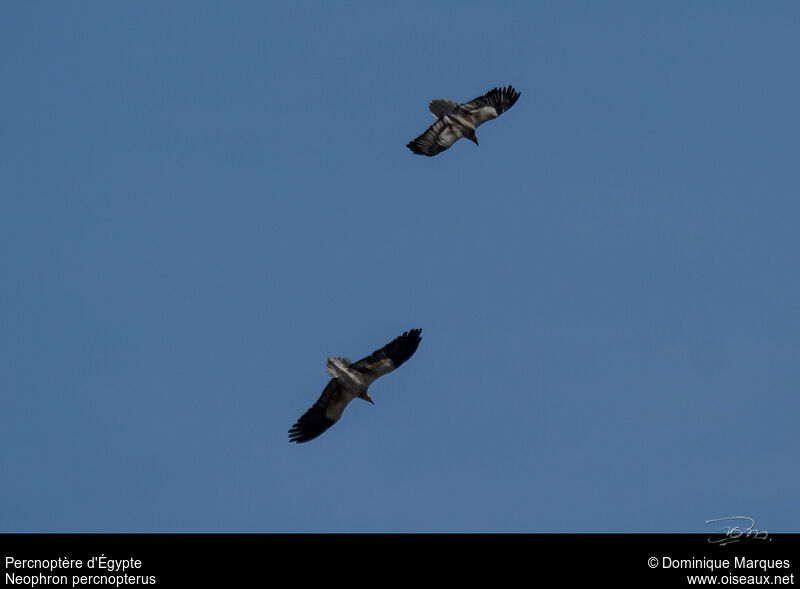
(350, 381)
(454, 121)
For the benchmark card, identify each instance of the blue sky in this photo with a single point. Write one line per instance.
(202, 201)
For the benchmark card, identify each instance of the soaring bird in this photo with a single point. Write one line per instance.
(350, 381)
(454, 121)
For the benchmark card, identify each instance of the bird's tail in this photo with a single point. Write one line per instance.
(441, 107)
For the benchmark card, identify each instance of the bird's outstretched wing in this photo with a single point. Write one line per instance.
(321, 416)
(438, 137)
(397, 352)
(491, 105)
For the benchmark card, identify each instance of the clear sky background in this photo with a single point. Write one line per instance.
(202, 201)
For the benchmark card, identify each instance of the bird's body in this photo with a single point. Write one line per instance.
(454, 121)
(350, 381)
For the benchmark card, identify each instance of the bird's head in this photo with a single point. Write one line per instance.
(366, 397)
(473, 138)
